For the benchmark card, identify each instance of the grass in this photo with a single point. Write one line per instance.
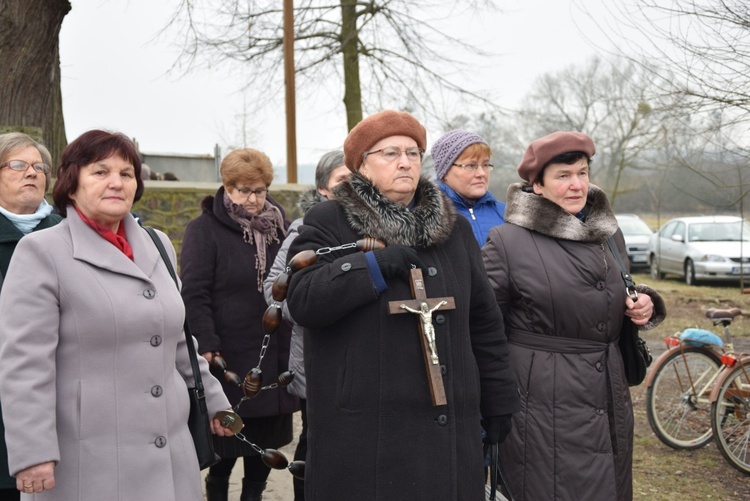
(659, 472)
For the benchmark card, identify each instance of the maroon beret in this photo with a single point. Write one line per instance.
(544, 149)
(379, 126)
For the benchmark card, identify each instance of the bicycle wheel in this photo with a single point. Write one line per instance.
(677, 402)
(730, 418)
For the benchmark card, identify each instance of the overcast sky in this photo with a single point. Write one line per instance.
(115, 76)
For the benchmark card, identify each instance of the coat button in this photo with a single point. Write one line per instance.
(156, 391)
(346, 266)
(439, 319)
(443, 370)
(600, 285)
(601, 326)
(160, 441)
(149, 293)
(432, 271)
(442, 419)
(599, 366)
(155, 340)
(599, 412)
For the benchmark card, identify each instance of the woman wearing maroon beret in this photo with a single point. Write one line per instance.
(563, 302)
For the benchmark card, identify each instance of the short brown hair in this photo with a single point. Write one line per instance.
(90, 147)
(246, 166)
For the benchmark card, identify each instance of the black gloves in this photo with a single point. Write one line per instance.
(396, 261)
(497, 428)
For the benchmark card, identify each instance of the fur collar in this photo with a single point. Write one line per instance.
(531, 211)
(310, 199)
(430, 222)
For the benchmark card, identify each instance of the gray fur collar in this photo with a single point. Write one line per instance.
(310, 199)
(430, 222)
(531, 211)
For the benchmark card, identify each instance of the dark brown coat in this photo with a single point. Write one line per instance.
(563, 302)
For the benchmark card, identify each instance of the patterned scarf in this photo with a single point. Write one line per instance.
(262, 229)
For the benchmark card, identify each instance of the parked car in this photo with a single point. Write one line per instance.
(701, 248)
(637, 235)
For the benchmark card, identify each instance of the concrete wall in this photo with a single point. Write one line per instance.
(170, 205)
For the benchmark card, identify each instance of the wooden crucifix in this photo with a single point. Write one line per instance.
(422, 306)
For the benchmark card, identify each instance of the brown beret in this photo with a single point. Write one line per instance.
(379, 126)
(544, 149)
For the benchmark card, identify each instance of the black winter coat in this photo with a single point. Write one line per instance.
(373, 432)
(225, 308)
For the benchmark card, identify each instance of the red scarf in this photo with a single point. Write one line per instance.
(118, 239)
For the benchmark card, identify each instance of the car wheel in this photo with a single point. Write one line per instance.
(689, 272)
(655, 273)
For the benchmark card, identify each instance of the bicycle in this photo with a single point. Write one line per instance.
(730, 411)
(679, 386)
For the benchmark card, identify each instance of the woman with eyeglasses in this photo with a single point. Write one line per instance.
(462, 170)
(24, 179)
(226, 254)
(374, 431)
(94, 365)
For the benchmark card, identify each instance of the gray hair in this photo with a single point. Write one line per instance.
(12, 142)
(326, 165)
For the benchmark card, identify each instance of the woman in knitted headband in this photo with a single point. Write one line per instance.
(462, 170)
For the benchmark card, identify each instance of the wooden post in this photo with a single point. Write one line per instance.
(291, 111)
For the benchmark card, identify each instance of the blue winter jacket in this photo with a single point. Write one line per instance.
(486, 213)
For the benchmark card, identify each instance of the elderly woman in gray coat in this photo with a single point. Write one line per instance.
(94, 366)
(563, 301)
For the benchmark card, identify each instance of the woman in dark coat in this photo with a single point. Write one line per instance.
(373, 431)
(563, 300)
(24, 178)
(226, 254)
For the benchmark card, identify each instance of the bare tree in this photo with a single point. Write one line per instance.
(703, 45)
(383, 51)
(30, 95)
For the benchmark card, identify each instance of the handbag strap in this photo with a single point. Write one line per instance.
(188, 336)
(626, 277)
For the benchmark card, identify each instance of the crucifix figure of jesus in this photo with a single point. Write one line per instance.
(424, 307)
(425, 314)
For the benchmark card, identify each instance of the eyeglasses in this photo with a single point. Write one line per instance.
(474, 167)
(21, 166)
(391, 154)
(246, 192)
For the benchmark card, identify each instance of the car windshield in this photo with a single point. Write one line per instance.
(634, 227)
(719, 232)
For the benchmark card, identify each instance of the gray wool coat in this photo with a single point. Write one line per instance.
(94, 368)
(373, 431)
(563, 302)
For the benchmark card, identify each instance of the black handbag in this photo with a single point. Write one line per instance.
(636, 356)
(198, 420)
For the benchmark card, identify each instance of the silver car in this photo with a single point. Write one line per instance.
(701, 248)
(637, 235)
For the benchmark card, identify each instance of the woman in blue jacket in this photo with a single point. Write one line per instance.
(462, 169)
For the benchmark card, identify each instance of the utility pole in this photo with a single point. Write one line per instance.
(291, 111)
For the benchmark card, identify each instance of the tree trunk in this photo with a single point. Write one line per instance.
(350, 50)
(30, 95)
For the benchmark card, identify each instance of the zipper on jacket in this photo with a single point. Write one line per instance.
(471, 211)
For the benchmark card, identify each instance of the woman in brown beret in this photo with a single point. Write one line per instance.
(563, 301)
(374, 431)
